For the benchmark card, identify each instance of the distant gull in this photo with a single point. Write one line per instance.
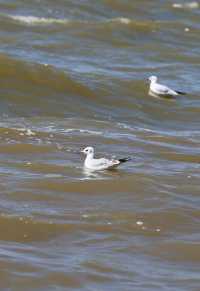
(162, 90)
(102, 163)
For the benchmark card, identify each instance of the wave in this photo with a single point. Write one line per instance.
(32, 88)
(187, 5)
(35, 76)
(33, 20)
(29, 228)
(122, 20)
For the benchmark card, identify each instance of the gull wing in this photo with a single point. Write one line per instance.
(103, 163)
(161, 89)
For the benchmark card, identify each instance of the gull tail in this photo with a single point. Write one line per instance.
(124, 160)
(181, 93)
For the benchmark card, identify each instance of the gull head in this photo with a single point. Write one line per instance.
(153, 79)
(88, 151)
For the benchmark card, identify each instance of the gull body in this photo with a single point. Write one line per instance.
(102, 163)
(161, 90)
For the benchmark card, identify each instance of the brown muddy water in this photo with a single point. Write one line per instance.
(73, 74)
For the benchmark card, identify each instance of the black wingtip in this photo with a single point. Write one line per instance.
(181, 93)
(124, 160)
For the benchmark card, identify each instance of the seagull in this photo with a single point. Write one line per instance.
(102, 163)
(162, 90)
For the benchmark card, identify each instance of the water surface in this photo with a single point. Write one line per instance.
(72, 74)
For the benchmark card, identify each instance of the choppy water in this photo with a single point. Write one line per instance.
(72, 74)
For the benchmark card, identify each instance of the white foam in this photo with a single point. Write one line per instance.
(25, 131)
(85, 215)
(190, 5)
(33, 20)
(139, 222)
(122, 20)
(87, 131)
(30, 132)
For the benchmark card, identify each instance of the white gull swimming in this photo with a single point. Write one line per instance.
(102, 163)
(161, 90)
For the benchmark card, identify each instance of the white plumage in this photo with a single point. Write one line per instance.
(161, 90)
(102, 163)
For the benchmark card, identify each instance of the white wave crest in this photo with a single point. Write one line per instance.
(188, 5)
(122, 20)
(33, 20)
